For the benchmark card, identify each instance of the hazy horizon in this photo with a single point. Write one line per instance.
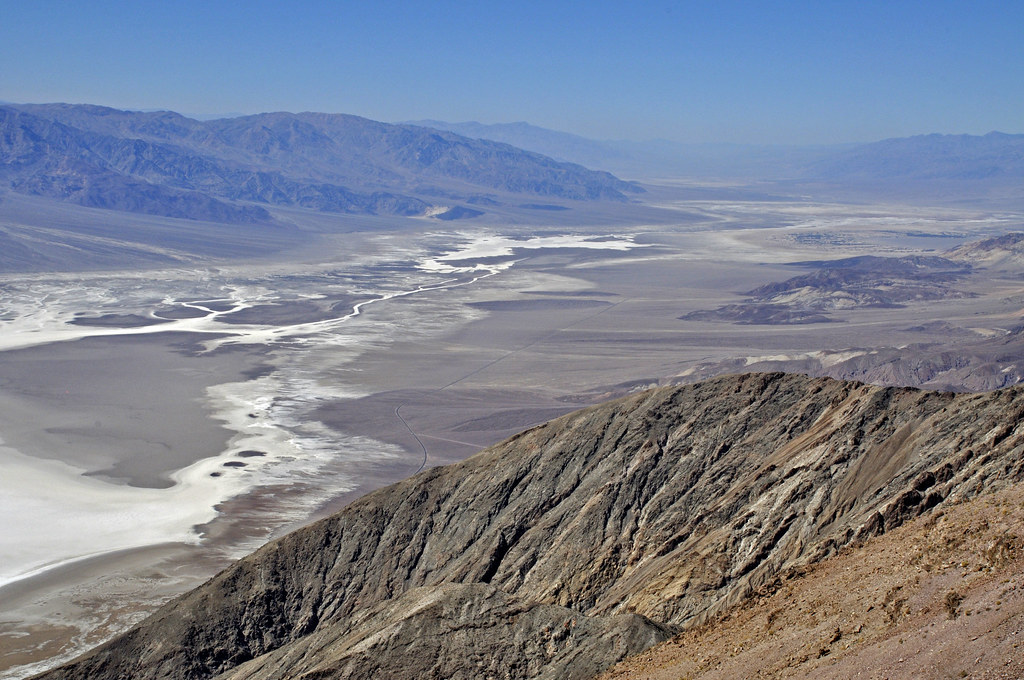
(741, 72)
(496, 124)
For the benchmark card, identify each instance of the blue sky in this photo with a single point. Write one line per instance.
(773, 72)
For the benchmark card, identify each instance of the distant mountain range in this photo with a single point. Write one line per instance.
(923, 157)
(928, 157)
(563, 146)
(233, 169)
(236, 170)
(647, 159)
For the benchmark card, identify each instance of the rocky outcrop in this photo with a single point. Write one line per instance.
(671, 505)
(853, 282)
(1000, 253)
(460, 631)
(967, 362)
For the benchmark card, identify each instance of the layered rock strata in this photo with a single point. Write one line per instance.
(621, 523)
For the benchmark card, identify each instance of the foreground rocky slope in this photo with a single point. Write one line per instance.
(667, 507)
(459, 630)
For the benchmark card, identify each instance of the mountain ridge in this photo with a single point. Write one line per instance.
(929, 157)
(228, 169)
(673, 505)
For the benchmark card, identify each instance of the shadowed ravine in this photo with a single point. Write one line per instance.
(576, 543)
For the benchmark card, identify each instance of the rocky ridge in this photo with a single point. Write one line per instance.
(849, 283)
(1000, 253)
(968, 362)
(667, 508)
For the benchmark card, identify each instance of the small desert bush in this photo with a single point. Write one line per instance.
(953, 600)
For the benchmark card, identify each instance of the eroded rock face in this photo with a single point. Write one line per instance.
(460, 631)
(673, 504)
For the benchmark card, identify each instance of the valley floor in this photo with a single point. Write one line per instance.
(301, 406)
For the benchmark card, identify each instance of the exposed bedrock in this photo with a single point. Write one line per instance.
(662, 508)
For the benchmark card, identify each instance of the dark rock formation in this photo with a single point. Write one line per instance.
(672, 505)
(969, 362)
(854, 282)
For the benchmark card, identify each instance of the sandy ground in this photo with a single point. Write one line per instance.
(82, 604)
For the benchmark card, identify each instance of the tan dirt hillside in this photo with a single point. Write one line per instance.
(941, 597)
